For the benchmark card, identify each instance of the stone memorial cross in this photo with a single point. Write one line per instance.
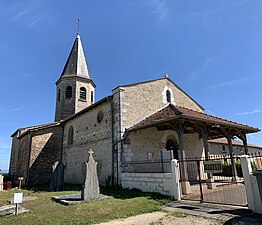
(91, 189)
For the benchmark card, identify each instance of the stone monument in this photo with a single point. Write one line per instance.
(1, 182)
(90, 190)
(57, 178)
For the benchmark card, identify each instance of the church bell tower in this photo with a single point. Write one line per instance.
(75, 87)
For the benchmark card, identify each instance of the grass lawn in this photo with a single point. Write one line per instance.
(124, 203)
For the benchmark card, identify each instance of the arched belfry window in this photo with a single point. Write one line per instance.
(168, 96)
(70, 135)
(69, 92)
(92, 97)
(82, 93)
(58, 95)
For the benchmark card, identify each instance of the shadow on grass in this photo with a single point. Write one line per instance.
(45, 187)
(119, 193)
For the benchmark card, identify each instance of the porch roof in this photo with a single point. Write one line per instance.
(173, 113)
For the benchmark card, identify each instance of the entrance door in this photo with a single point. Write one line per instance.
(171, 145)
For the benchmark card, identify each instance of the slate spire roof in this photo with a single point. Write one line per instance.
(76, 64)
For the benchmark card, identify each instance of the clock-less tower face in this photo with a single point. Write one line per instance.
(75, 88)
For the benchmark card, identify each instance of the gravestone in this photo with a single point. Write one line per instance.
(90, 190)
(1, 182)
(57, 178)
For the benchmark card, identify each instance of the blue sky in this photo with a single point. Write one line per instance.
(211, 49)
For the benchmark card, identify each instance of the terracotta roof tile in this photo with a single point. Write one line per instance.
(171, 112)
(234, 142)
(30, 128)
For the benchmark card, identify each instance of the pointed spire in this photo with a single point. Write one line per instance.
(76, 64)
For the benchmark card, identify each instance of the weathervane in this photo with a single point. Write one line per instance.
(78, 26)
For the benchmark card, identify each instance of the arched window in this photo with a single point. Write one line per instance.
(92, 97)
(168, 96)
(69, 92)
(82, 93)
(58, 95)
(70, 135)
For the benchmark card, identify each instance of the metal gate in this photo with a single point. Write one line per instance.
(222, 187)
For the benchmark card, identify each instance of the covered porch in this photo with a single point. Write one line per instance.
(181, 133)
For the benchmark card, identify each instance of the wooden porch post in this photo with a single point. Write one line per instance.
(245, 144)
(185, 185)
(210, 181)
(234, 170)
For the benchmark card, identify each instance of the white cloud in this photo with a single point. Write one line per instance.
(248, 113)
(33, 23)
(30, 14)
(231, 82)
(207, 16)
(5, 146)
(201, 68)
(253, 137)
(20, 13)
(156, 7)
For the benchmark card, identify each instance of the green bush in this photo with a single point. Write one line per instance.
(7, 177)
(253, 166)
(227, 169)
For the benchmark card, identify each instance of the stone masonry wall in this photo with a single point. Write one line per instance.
(141, 100)
(45, 151)
(221, 149)
(14, 155)
(150, 140)
(23, 157)
(149, 182)
(89, 134)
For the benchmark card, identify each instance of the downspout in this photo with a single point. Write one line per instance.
(29, 156)
(112, 142)
(121, 145)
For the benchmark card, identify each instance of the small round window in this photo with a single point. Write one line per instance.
(100, 116)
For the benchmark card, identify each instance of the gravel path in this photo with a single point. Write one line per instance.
(158, 218)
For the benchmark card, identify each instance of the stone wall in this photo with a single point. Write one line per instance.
(45, 151)
(149, 182)
(23, 158)
(222, 149)
(69, 106)
(150, 140)
(138, 101)
(14, 155)
(89, 133)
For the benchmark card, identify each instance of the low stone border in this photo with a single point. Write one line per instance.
(74, 199)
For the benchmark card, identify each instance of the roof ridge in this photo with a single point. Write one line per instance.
(175, 109)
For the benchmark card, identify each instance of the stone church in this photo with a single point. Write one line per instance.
(139, 122)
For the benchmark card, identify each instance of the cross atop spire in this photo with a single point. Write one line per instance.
(78, 26)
